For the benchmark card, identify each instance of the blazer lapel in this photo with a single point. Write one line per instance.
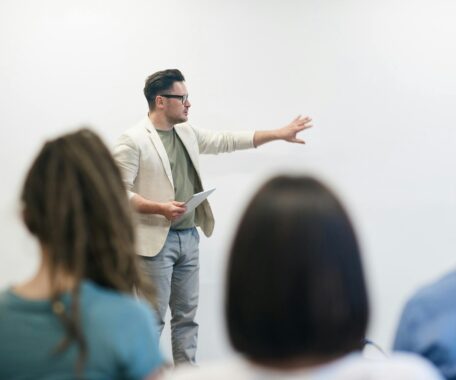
(156, 141)
(183, 135)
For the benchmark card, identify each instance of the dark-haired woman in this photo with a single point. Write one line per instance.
(296, 301)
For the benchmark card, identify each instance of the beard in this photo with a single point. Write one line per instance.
(176, 119)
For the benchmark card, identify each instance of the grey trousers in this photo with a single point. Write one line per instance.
(175, 274)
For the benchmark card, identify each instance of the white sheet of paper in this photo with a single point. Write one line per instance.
(196, 200)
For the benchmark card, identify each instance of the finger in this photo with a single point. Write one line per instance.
(175, 217)
(298, 141)
(306, 120)
(302, 127)
(178, 206)
(306, 126)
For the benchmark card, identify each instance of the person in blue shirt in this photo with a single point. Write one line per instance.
(78, 317)
(428, 325)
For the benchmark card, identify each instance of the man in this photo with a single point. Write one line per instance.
(159, 162)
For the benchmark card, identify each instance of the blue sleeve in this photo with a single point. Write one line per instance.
(407, 328)
(430, 334)
(140, 354)
(423, 331)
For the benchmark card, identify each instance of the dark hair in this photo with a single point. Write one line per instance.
(295, 280)
(160, 81)
(76, 205)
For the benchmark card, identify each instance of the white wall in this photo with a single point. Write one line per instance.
(377, 77)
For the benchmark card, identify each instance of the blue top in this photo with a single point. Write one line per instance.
(428, 325)
(120, 331)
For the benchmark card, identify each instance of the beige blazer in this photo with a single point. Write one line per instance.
(146, 171)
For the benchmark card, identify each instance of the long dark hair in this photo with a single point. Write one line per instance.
(76, 205)
(296, 287)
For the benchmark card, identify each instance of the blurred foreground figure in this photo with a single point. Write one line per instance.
(74, 318)
(428, 325)
(296, 299)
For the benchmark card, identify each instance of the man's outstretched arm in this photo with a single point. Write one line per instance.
(287, 133)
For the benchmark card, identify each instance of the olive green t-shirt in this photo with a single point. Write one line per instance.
(184, 174)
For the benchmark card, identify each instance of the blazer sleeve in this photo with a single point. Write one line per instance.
(211, 142)
(127, 155)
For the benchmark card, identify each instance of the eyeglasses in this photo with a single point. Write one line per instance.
(183, 98)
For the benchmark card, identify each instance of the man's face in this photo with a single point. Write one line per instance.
(176, 109)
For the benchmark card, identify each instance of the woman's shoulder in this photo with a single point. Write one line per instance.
(98, 299)
(351, 367)
(400, 366)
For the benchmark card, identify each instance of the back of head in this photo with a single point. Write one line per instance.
(295, 281)
(76, 205)
(159, 82)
